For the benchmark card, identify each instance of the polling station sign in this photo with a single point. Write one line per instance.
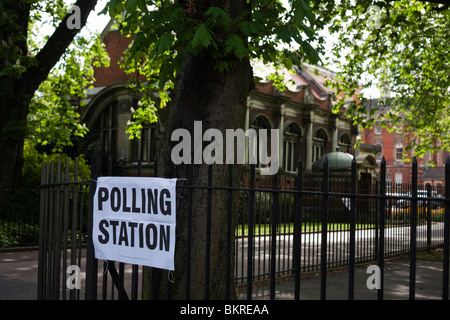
(134, 220)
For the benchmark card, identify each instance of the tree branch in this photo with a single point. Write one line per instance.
(55, 47)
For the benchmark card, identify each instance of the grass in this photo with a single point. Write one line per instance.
(436, 254)
(261, 229)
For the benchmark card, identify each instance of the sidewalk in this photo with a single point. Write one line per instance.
(396, 284)
(18, 275)
(18, 281)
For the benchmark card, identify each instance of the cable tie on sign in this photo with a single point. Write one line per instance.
(170, 276)
(105, 266)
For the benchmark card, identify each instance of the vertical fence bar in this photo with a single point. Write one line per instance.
(42, 233)
(298, 197)
(65, 227)
(135, 268)
(189, 233)
(208, 233)
(229, 231)
(445, 277)
(251, 209)
(121, 291)
(413, 234)
(50, 246)
(57, 232)
(105, 262)
(324, 232)
(428, 213)
(73, 239)
(273, 244)
(156, 272)
(351, 269)
(91, 262)
(381, 222)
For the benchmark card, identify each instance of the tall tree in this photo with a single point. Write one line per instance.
(22, 72)
(405, 46)
(203, 49)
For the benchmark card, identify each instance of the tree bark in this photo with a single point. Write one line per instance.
(219, 101)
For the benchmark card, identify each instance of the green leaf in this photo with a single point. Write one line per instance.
(203, 37)
(235, 44)
(248, 28)
(215, 12)
(302, 10)
(132, 5)
(164, 43)
(310, 52)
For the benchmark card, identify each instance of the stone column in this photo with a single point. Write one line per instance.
(281, 135)
(309, 144)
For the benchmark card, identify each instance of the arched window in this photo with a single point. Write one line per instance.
(291, 145)
(261, 122)
(104, 131)
(345, 143)
(108, 119)
(319, 144)
(380, 154)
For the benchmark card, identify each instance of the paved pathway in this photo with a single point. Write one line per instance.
(18, 280)
(18, 275)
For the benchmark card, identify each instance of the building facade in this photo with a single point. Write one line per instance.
(398, 172)
(303, 116)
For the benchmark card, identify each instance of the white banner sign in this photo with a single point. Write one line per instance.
(134, 220)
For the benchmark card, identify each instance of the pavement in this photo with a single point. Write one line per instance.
(18, 275)
(18, 281)
(396, 283)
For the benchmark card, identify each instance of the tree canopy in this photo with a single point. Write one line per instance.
(284, 33)
(405, 46)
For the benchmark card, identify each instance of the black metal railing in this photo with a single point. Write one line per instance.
(286, 225)
(19, 219)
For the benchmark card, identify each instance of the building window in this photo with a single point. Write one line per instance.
(105, 130)
(291, 145)
(388, 178)
(319, 144)
(438, 188)
(380, 154)
(398, 153)
(345, 144)
(144, 148)
(398, 178)
(261, 122)
(377, 129)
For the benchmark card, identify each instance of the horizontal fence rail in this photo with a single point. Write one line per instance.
(285, 225)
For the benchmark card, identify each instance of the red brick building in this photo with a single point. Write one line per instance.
(393, 147)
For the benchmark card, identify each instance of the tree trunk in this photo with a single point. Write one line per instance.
(13, 130)
(219, 101)
(12, 109)
(17, 90)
